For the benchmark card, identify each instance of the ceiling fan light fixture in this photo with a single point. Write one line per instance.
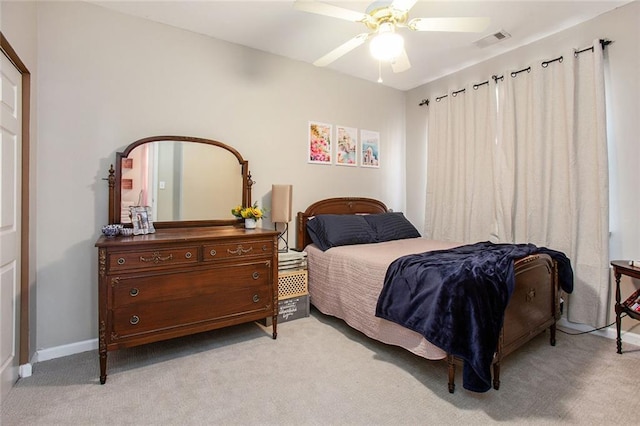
(386, 45)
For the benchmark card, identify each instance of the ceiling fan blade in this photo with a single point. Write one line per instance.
(341, 50)
(330, 10)
(404, 5)
(471, 25)
(401, 63)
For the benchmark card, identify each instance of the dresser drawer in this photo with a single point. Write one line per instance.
(145, 259)
(237, 250)
(134, 320)
(158, 287)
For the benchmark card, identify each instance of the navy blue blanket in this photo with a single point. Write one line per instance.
(456, 299)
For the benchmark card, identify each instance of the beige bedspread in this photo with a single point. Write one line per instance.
(346, 281)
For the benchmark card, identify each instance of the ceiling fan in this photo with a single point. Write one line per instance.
(383, 18)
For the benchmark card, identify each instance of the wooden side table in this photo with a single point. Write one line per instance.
(620, 268)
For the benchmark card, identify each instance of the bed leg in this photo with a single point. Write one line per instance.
(496, 376)
(552, 334)
(452, 373)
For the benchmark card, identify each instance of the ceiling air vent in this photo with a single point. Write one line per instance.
(492, 39)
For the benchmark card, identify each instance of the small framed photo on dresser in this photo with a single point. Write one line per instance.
(141, 220)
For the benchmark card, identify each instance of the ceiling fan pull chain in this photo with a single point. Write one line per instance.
(379, 71)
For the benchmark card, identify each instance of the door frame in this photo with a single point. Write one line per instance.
(23, 357)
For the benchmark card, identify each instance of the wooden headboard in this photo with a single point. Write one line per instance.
(344, 205)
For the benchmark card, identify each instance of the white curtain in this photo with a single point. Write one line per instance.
(588, 304)
(535, 157)
(546, 169)
(460, 196)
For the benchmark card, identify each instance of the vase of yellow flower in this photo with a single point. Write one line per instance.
(251, 214)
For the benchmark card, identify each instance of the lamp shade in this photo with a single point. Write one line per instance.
(281, 197)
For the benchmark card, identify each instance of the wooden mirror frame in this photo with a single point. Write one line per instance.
(115, 183)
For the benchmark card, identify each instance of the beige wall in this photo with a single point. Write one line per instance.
(622, 26)
(108, 79)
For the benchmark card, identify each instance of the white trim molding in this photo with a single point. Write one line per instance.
(609, 332)
(25, 370)
(91, 345)
(65, 350)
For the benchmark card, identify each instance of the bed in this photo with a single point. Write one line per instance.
(347, 280)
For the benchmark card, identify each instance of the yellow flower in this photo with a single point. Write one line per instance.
(237, 211)
(252, 212)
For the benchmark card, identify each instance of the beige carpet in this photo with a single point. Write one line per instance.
(320, 372)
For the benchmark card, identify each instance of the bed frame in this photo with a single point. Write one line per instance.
(534, 305)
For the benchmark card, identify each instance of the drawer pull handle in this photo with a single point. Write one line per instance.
(213, 252)
(156, 258)
(256, 275)
(256, 298)
(239, 250)
(264, 247)
(121, 261)
(134, 292)
(134, 320)
(531, 294)
(187, 255)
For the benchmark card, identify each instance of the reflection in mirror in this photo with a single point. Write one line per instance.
(181, 181)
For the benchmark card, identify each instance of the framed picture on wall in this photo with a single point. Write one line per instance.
(369, 148)
(346, 146)
(141, 220)
(319, 143)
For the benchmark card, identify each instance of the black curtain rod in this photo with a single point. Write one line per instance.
(475, 86)
(603, 42)
(546, 63)
(515, 73)
(454, 94)
(577, 52)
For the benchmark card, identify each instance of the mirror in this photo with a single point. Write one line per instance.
(185, 181)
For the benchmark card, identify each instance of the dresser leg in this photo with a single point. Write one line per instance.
(552, 333)
(103, 367)
(274, 325)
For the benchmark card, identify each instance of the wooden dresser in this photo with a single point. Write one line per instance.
(180, 281)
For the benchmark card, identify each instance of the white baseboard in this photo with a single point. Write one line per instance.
(25, 370)
(91, 345)
(65, 350)
(609, 333)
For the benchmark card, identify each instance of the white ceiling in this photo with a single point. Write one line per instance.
(276, 27)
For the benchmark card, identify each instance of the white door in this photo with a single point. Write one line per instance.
(10, 189)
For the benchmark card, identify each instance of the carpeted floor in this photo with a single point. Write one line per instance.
(320, 372)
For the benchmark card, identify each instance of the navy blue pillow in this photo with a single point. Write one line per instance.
(333, 230)
(391, 226)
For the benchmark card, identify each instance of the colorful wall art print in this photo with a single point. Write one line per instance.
(369, 148)
(319, 143)
(346, 146)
